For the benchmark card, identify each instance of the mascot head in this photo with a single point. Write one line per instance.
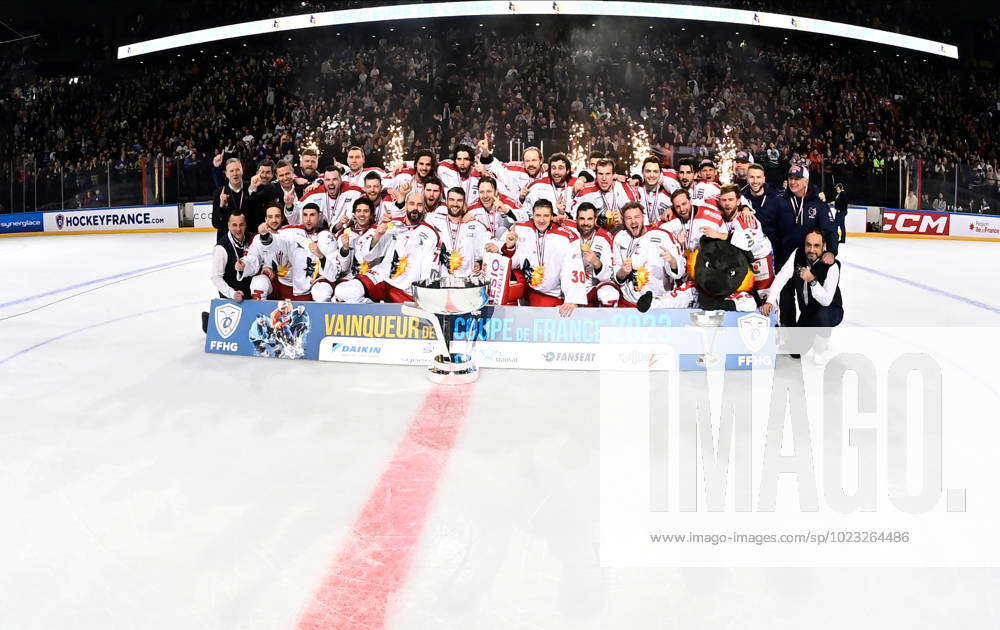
(719, 269)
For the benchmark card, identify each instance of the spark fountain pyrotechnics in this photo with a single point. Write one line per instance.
(640, 146)
(577, 152)
(726, 156)
(394, 149)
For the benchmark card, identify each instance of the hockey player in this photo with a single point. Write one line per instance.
(306, 175)
(262, 336)
(332, 196)
(557, 187)
(548, 262)
(513, 177)
(413, 177)
(410, 257)
(653, 197)
(273, 259)
(459, 172)
(685, 174)
(705, 192)
(494, 210)
(355, 172)
(744, 232)
(463, 239)
(305, 245)
(645, 259)
(741, 164)
(362, 243)
(688, 221)
(383, 203)
(607, 195)
(596, 254)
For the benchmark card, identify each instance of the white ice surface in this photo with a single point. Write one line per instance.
(146, 484)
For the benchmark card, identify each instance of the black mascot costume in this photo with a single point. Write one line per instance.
(722, 275)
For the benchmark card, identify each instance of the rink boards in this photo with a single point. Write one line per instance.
(503, 337)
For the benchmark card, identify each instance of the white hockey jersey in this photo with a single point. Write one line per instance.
(611, 200)
(705, 194)
(331, 207)
(550, 261)
(462, 245)
(599, 242)
(448, 173)
(276, 256)
(746, 233)
(649, 271)
(512, 176)
(362, 251)
(543, 188)
(410, 256)
(689, 234)
(654, 204)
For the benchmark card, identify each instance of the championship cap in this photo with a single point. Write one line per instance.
(744, 156)
(798, 172)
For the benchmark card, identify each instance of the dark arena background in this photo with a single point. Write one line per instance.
(331, 181)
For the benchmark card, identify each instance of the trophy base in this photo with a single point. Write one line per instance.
(454, 369)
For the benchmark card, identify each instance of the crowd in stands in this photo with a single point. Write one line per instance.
(847, 115)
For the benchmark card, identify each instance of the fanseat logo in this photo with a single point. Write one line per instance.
(227, 318)
(895, 222)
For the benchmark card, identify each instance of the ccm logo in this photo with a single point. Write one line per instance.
(915, 223)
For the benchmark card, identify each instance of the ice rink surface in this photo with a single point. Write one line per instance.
(146, 484)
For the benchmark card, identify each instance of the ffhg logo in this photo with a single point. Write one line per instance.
(754, 329)
(60, 221)
(227, 318)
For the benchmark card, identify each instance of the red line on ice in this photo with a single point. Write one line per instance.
(376, 557)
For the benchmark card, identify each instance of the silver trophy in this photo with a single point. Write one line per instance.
(437, 300)
(709, 323)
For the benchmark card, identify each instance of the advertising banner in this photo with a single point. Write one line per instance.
(21, 223)
(502, 337)
(109, 219)
(911, 222)
(978, 226)
(202, 215)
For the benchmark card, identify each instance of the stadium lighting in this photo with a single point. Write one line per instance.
(480, 8)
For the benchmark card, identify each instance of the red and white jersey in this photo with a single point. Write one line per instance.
(277, 257)
(403, 175)
(410, 256)
(385, 206)
(746, 233)
(307, 268)
(649, 271)
(331, 207)
(598, 242)
(358, 179)
(512, 176)
(496, 223)
(462, 244)
(448, 173)
(654, 204)
(669, 181)
(705, 193)
(543, 188)
(551, 262)
(689, 233)
(613, 199)
(362, 251)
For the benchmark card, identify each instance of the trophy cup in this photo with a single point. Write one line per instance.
(437, 300)
(709, 323)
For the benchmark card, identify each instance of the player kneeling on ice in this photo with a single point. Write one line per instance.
(305, 246)
(272, 257)
(746, 233)
(646, 261)
(817, 294)
(410, 256)
(547, 262)
(360, 244)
